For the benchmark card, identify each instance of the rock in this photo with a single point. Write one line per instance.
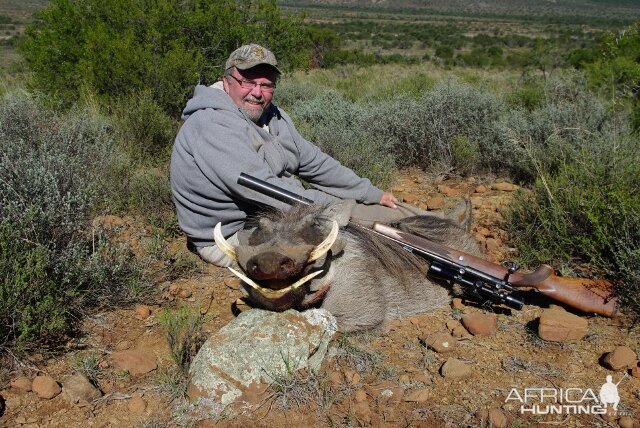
(185, 293)
(336, 378)
(457, 330)
(620, 358)
(449, 191)
(456, 303)
(418, 395)
(440, 342)
(135, 362)
(480, 324)
(124, 345)
(454, 368)
(483, 231)
(385, 391)
(504, 186)
(233, 282)
(360, 396)
(435, 203)
(79, 389)
(480, 189)
(45, 387)
(21, 383)
(174, 289)
(257, 347)
(143, 312)
(482, 415)
(362, 411)
(409, 198)
(625, 422)
(137, 405)
(558, 325)
(497, 418)
(422, 377)
(635, 372)
(355, 379)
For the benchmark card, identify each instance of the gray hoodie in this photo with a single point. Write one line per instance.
(217, 142)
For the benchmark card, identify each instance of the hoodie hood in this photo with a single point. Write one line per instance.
(205, 97)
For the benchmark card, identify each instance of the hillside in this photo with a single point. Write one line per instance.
(622, 9)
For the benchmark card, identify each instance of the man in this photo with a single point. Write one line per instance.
(231, 127)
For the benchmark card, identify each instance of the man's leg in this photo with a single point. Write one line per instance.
(214, 255)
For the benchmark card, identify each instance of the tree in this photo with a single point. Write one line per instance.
(113, 48)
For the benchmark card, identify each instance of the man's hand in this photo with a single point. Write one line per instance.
(388, 200)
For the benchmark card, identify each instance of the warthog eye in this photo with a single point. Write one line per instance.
(312, 234)
(259, 236)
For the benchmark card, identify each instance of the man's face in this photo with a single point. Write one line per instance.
(252, 101)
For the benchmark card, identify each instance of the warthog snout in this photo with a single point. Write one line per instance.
(272, 265)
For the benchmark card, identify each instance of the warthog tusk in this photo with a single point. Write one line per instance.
(222, 243)
(325, 245)
(274, 293)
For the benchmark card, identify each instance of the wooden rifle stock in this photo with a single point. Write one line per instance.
(587, 295)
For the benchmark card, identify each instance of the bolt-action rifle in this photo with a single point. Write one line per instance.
(482, 278)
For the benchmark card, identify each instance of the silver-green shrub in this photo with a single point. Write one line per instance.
(53, 264)
(339, 127)
(445, 128)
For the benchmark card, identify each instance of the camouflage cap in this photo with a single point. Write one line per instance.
(249, 56)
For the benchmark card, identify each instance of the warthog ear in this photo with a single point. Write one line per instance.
(340, 211)
(461, 214)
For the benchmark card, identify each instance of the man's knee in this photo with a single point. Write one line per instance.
(212, 254)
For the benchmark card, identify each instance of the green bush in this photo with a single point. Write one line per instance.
(115, 48)
(587, 210)
(53, 265)
(146, 132)
(184, 334)
(617, 69)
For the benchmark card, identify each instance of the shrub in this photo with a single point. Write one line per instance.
(617, 69)
(53, 265)
(340, 128)
(427, 131)
(184, 334)
(146, 132)
(589, 209)
(115, 48)
(552, 133)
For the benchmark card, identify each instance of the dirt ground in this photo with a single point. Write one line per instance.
(386, 380)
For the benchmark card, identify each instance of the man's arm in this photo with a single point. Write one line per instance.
(326, 173)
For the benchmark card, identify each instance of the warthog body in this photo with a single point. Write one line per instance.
(363, 279)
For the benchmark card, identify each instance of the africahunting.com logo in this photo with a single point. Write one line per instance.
(566, 401)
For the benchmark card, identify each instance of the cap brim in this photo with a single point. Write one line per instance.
(248, 65)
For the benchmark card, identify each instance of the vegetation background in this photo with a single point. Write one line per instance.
(92, 90)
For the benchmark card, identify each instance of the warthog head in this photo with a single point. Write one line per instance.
(279, 257)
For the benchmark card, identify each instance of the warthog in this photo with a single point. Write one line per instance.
(300, 258)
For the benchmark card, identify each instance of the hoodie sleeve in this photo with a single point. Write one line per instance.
(327, 174)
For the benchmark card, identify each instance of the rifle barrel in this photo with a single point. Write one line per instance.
(268, 189)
